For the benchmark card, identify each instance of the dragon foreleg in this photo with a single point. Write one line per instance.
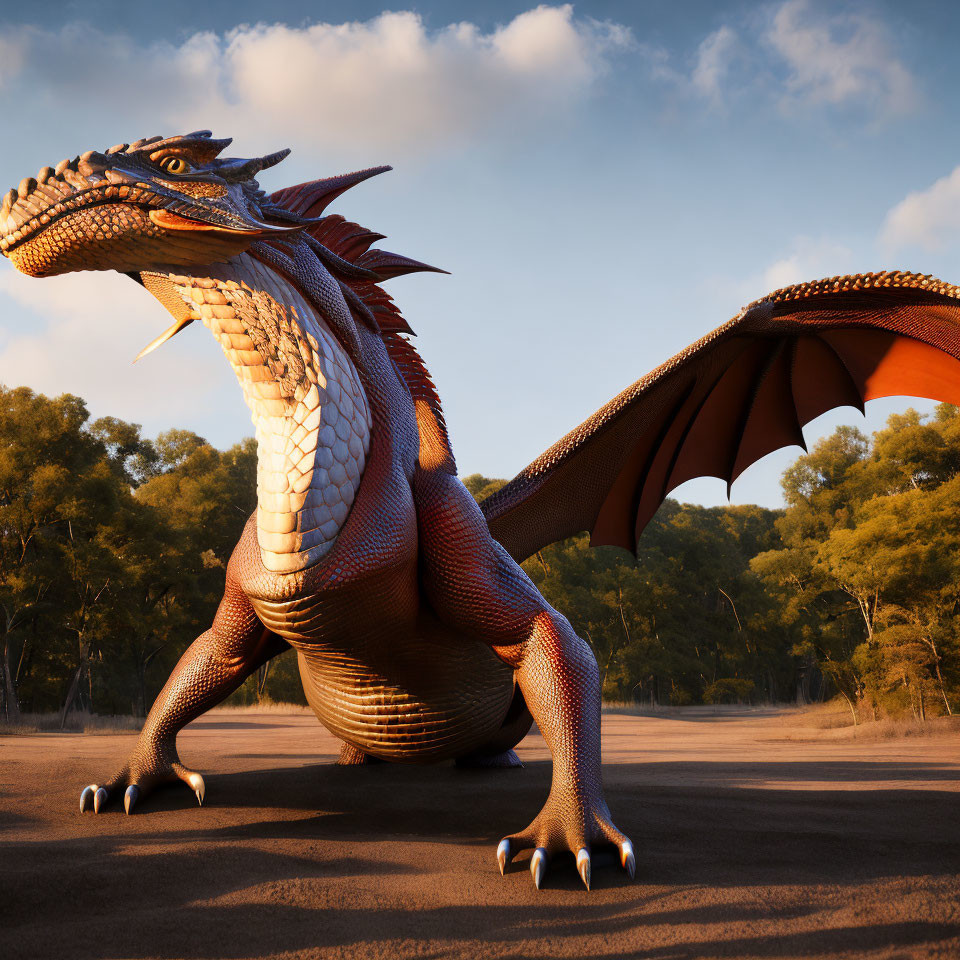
(212, 667)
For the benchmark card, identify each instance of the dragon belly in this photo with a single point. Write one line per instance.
(414, 700)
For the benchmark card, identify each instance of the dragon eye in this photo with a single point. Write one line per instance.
(175, 165)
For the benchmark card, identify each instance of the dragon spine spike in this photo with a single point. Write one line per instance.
(311, 199)
(389, 265)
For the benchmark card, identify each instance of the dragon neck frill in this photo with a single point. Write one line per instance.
(306, 400)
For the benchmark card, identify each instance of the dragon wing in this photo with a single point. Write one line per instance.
(731, 398)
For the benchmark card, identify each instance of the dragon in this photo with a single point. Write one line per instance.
(419, 637)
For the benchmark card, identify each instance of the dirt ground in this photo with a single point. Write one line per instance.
(749, 844)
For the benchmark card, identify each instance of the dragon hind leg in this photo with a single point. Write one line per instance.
(351, 756)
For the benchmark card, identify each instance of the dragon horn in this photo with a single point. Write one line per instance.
(238, 170)
(272, 159)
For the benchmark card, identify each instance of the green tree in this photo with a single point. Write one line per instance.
(868, 573)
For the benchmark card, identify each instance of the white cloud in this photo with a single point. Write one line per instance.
(11, 60)
(714, 56)
(844, 59)
(79, 333)
(806, 258)
(357, 92)
(385, 83)
(929, 218)
(795, 55)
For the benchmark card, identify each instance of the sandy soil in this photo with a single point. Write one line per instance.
(748, 845)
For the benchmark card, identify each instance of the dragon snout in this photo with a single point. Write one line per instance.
(32, 200)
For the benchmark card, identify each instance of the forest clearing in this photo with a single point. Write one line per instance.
(753, 839)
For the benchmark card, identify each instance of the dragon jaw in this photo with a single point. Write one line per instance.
(136, 206)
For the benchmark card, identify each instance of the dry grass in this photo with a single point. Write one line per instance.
(825, 721)
(816, 722)
(833, 721)
(77, 722)
(94, 723)
(735, 710)
(268, 706)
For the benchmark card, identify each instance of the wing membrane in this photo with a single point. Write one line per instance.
(738, 394)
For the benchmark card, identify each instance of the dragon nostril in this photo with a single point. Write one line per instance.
(27, 186)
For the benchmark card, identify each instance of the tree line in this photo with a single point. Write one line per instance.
(113, 548)
(852, 590)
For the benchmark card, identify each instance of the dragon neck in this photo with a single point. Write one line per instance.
(306, 400)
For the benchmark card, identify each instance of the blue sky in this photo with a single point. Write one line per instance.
(606, 182)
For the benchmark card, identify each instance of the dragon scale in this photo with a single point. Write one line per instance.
(376, 695)
(306, 401)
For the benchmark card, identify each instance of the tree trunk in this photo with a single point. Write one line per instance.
(853, 708)
(10, 702)
(141, 704)
(262, 673)
(936, 663)
(143, 662)
(74, 685)
(913, 703)
(604, 672)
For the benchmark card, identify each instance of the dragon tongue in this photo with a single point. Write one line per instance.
(171, 331)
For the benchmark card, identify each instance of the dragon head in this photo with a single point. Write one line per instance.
(155, 202)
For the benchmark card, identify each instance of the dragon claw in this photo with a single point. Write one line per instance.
(538, 866)
(503, 855)
(198, 786)
(583, 866)
(627, 859)
(137, 782)
(86, 797)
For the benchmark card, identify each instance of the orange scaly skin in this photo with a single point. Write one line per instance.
(418, 635)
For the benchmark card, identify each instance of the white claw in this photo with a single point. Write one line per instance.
(130, 797)
(583, 865)
(503, 855)
(99, 799)
(538, 866)
(199, 788)
(627, 859)
(86, 797)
